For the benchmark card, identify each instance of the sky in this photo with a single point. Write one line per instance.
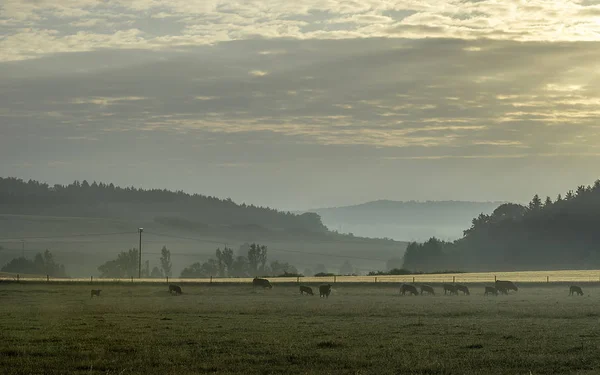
(307, 103)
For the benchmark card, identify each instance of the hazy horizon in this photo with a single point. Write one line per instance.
(304, 105)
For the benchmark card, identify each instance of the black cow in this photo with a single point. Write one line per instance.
(95, 292)
(574, 289)
(490, 290)
(175, 289)
(504, 286)
(324, 290)
(428, 289)
(462, 288)
(449, 288)
(410, 289)
(306, 289)
(264, 283)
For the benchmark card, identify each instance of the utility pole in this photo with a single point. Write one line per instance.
(140, 257)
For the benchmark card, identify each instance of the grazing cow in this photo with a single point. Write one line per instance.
(175, 289)
(264, 283)
(449, 288)
(306, 289)
(462, 288)
(428, 289)
(324, 290)
(490, 290)
(95, 292)
(410, 289)
(574, 289)
(504, 286)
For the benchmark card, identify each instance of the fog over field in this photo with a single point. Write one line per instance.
(405, 221)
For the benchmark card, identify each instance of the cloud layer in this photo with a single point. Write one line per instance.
(36, 28)
(324, 102)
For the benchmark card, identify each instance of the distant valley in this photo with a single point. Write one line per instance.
(405, 221)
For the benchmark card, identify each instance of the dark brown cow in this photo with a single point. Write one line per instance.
(490, 290)
(175, 289)
(504, 286)
(410, 289)
(427, 289)
(95, 292)
(449, 288)
(462, 288)
(574, 289)
(264, 283)
(306, 289)
(325, 290)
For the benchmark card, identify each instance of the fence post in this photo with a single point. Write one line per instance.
(547, 279)
(494, 278)
(413, 279)
(167, 279)
(91, 279)
(375, 279)
(131, 278)
(297, 279)
(211, 279)
(334, 278)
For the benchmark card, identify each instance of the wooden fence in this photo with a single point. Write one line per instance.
(488, 277)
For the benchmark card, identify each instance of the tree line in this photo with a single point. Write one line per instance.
(225, 263)
(544, 234)
(107, 200)
(41, 264)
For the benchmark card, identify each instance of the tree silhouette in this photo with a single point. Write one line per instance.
(165, 261)
(126, 265)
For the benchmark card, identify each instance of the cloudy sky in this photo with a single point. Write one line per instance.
(306, 103)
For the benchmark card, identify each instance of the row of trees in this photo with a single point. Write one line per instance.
(100, 199)
(543, 234)
(126, 265)
(41, 264)
(227, 265)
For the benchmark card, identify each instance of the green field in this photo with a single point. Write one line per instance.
(360, 329)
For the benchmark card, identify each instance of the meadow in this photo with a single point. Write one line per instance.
(231, 328)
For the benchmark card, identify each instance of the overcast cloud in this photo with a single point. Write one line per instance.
(307, 103)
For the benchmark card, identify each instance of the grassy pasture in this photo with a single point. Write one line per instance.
(231, 328)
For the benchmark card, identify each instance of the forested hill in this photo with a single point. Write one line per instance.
(175, 208)
(546, 234)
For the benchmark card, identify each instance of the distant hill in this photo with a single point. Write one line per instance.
(87, 224)
(546, 234)
(415, 221)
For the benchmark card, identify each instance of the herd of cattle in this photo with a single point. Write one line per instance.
(500, 287)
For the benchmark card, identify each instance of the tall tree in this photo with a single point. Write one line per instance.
(535, 204)
(126, 265)
(165, 261)
(220, 262)
(240, 267)
(227, 256)
(257, 258)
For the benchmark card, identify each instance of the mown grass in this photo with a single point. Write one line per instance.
(141, 329)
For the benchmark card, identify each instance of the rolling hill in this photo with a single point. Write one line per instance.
(86, 224)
